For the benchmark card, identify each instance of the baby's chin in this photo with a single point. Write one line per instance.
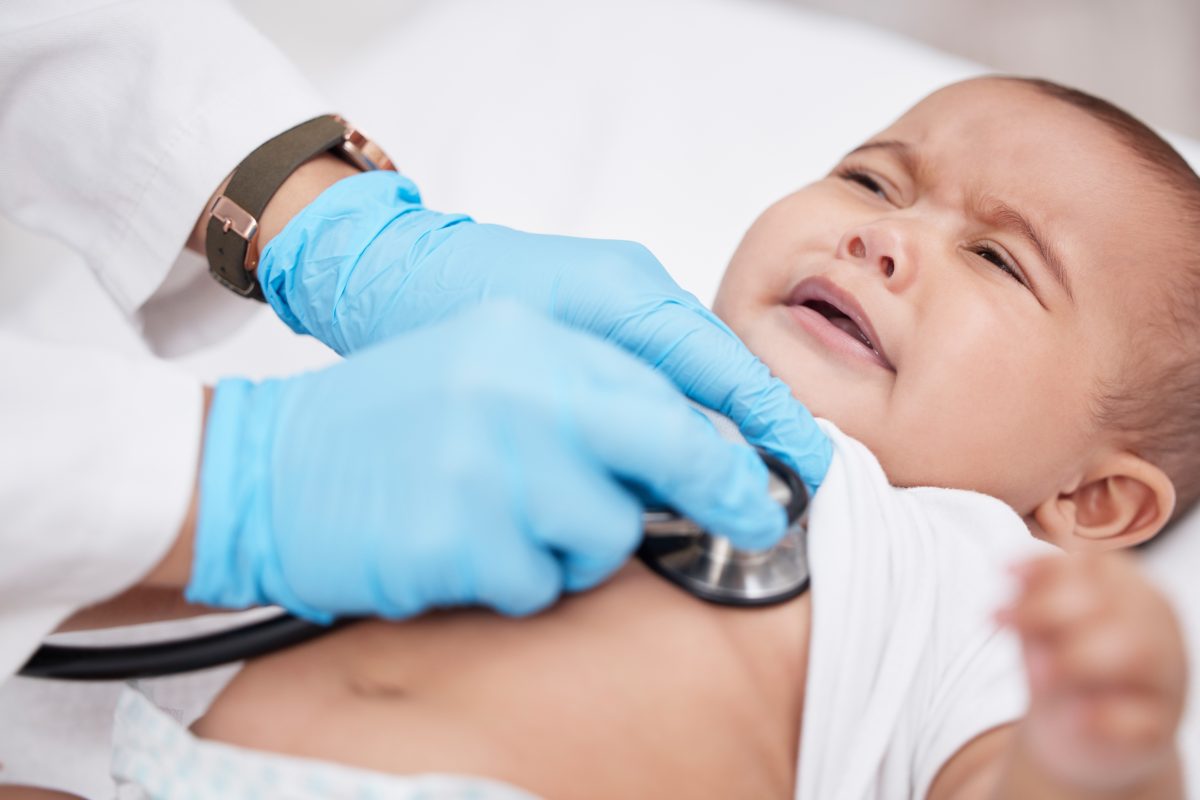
(855, 405)
(848, 419)
(853, 400)
(859, 409)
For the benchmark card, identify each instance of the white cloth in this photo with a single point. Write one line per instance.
(905, 663)
(85, 515)
(119, 119)
(156, 758)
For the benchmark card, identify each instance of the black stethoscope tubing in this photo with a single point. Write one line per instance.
(158, 659)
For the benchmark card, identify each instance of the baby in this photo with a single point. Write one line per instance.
(994, 294)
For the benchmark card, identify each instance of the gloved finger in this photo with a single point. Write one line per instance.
(655, 439)
(594, 524)
(519, 578)
(709, 364)
(510, 569)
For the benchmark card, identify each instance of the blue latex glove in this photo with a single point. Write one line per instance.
(488, 459)
(366, 261)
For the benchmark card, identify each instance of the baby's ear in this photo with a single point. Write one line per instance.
(1121, 501)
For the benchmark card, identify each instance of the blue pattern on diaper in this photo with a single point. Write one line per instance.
(156, 758)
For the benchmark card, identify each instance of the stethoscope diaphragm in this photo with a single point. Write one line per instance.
(711, 568)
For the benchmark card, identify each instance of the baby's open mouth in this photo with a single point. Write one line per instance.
(834, 317)
(840, 320)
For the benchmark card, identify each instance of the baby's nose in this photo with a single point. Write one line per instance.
(858, 249)
(874, 247)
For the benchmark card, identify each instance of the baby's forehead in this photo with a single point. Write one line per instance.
(1111, 217)
(988, 119)
(1056, 163)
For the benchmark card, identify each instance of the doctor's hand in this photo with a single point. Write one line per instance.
(488, 459)
(366, 261)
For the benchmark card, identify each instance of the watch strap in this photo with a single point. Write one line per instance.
(234, 215)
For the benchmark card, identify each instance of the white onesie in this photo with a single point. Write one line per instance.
(905, 663)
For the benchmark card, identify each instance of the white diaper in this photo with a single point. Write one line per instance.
(155, 757)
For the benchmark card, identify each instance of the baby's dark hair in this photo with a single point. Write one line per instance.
(1155, 402)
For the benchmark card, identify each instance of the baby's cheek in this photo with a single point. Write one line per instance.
(748, 283)
(740, 305)
(725, 305)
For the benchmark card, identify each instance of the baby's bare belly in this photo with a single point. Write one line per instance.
(632, 690)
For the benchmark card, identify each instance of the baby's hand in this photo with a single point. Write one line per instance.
(1106, 665)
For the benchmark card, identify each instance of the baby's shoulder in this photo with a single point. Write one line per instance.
(957, 519)
(906, 582)
(977, 522)
(960, 540)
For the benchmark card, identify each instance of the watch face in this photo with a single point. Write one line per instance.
(361, 151)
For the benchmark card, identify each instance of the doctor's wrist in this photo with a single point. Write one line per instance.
(301, 188)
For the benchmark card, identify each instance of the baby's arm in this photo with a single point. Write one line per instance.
(1107, 675)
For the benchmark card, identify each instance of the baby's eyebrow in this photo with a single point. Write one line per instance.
(903, 151)
(995, 212)
(1002, 215)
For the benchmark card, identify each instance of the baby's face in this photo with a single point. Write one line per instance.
(918, 296)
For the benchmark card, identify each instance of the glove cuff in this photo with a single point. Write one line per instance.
(234, 563)
(315, 267)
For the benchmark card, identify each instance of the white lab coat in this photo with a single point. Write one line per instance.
(117, 121)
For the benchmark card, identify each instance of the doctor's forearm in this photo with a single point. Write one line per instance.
(301, 188)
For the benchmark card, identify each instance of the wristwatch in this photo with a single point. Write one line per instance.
(234, 214)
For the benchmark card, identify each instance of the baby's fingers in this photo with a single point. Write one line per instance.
(1056, 596)
(1103, 656)
(1129, 721)
(1115, 725)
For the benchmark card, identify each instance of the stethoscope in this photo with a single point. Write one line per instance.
(673, 546)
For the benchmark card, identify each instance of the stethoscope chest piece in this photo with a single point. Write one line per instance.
(712, 569)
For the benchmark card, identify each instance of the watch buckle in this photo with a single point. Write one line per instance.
(233, 218)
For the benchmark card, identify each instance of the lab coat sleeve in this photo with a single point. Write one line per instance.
(119, 119)
(98, 458)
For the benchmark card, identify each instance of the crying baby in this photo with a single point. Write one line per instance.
(975, 303)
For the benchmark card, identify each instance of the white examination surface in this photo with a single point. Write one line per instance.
(670, 122)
